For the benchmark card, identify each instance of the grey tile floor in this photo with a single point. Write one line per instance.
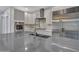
(23, 42)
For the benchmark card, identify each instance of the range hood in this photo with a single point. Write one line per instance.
(41, 14)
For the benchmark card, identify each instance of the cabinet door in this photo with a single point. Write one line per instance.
(29, 18)
(37, 14)
(0, 25)
(48, 15)
(26, 18)
(34, 17)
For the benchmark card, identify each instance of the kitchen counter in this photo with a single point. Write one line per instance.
(23, 42)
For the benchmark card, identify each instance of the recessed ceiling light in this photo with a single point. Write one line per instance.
(26, 9)
(25, 13)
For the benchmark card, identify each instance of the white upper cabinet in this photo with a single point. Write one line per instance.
(26, 18)
(30, 18)
(48, 16)
(34, 17)
(37, 14)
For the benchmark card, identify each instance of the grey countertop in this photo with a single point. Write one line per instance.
(23, 42)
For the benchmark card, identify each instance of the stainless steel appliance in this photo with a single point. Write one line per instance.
(19, 26)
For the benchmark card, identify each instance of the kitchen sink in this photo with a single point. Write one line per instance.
(40, 35)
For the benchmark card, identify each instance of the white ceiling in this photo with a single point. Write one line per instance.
(24, 8)
(2, 8)
(30, 8)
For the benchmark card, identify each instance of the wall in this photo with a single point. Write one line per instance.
(18, 15)
(12, 20)
(7, 21)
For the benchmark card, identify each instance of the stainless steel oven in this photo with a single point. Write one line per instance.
(19, 26)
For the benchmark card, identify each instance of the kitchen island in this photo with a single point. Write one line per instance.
(24, 42)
